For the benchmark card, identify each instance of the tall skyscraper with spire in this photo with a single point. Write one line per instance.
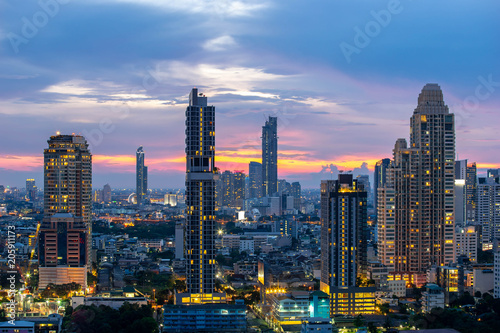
(270, 156)
(65, 233)
(418, 201)
(200, 201)
(141, 176)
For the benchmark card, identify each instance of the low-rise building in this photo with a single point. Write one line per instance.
(432, 297)
(483, 280)
(397, 287)
(316, 325)
(205, 318)
(17, 326)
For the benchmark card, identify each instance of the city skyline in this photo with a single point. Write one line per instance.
(319, 92)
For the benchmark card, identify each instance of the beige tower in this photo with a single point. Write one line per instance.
(421, 179)
(67, 189)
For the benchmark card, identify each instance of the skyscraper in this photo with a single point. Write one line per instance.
(31, 189)
(471, 192)
(422, 178)
(141, 176)
(255, 177)
(344, 245)
(270, 156)
(379, 178)
(65, 231)
(200, 201)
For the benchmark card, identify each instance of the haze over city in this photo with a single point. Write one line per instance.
(342, 78)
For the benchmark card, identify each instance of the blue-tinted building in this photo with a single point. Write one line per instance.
(205, 318)
(319, 305)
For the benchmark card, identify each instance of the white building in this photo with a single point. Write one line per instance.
(483, 280)
(179, 240)
(316, 325)
(397, 287)
(433, 297)
(247, 245)
(466, 240)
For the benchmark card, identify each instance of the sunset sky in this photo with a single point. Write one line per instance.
(343, 78)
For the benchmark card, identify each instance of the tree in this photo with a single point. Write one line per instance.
(387, 323)
(372, 328)
(358, 321)
(384, 308)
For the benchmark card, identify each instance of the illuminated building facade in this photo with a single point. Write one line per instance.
(62, 256)
(344, 246)
(67, 189)
(422, 177)
(141, 176)
(270, 156)
(200, 202)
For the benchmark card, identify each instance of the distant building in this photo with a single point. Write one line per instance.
(287, 225)
(170, 199)
(141, 176)
(270, 156)
(31, 190)
(255, 180)
(106, 194)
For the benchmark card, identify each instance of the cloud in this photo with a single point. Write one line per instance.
(219, 44)
(230, 8)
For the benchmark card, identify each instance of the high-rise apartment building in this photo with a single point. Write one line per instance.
(379, 178)
(67, 210)
(488, 210)
(232, 188)
(200, 202)
(344, 245)
(471, 192)
(141, 176)
(255, 180)
(422, 177)
(270, 156)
